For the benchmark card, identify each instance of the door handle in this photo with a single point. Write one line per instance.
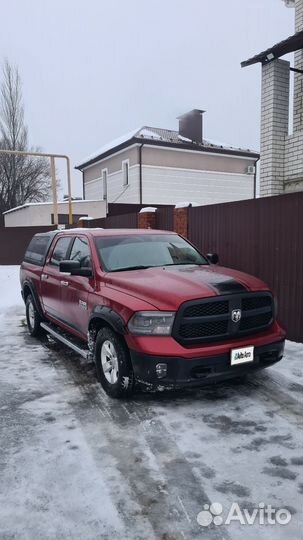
(64, 283)
(44, 277)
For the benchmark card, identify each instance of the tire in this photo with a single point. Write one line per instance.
(33, 318)
(113, 364)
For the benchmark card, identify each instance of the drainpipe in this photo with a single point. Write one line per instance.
(140, 173)
(83, 186)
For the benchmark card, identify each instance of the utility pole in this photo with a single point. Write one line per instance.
(52, 158)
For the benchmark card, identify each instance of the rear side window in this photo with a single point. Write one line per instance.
(60, 251)
(37, 250)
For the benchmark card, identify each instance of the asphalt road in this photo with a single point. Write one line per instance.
(77, 465)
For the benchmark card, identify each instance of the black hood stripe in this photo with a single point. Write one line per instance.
(228, 286)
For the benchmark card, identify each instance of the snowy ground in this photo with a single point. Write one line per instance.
(77, 465)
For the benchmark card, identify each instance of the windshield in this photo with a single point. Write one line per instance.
(145, 251)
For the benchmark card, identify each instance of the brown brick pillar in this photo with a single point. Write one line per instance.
(85, 223)
(181, 221)
(147, 220)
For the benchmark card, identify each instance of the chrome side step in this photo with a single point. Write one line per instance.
(83, 352)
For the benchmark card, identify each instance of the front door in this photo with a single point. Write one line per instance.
(74, 294)
(51, 279)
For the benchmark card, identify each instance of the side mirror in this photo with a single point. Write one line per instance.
(213, 258)
(74, 269)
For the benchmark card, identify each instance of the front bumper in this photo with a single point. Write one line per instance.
(182, 372)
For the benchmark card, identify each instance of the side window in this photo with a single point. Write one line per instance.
(104, 180)
(60, 251)
(81, 252)
(37, 250)
(125, 172)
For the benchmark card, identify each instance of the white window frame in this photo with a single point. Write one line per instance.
(104, 176)
(125, 166)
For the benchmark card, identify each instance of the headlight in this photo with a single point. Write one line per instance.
(151, 323)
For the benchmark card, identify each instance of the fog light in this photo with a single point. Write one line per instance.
(161, 370)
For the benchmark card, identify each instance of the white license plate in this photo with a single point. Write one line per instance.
(241, 356)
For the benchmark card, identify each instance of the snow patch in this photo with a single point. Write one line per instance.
(149, 134)
(10, 287)
(148, 209)
(185, 139)
(186, 204)
(109, 146)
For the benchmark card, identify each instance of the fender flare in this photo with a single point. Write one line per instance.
(109, 316)
(35, 296)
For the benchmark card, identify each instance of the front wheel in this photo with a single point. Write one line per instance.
(113, 365)
(33, 318)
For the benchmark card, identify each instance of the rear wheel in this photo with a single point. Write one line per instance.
(113, 365)
(33, 318)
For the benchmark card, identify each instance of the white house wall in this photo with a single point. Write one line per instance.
(172, 175)
(116, 191)
(40, 214)
(163, 185)
(94, 189)
(25, 217)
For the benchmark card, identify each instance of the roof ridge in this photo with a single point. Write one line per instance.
(162, 129)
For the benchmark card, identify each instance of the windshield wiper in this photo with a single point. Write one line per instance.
(184, 263)
(139, 267)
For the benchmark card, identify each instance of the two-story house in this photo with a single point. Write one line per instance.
(159, 166)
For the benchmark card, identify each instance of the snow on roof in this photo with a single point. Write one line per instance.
(26, 205)
(110, 145)
(157, 134)
(81, 229)
(220, 144)
(184, 138)
(149, 134)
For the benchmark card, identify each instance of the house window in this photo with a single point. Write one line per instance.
(125, 172)
(104, 181)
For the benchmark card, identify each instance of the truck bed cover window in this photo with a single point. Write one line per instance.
(37, 249)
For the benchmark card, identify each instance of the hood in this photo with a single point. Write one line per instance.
(168, 287)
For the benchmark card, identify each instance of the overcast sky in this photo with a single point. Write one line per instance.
(94, 69)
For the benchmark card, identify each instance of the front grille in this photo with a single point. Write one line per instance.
(256, 302)
(257, 321)
(211, 319)
(209, 308)
(194, 330)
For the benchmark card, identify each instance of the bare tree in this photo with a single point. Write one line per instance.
(22, 178)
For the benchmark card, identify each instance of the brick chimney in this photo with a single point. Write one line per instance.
(298, 79)
(274, 126)
(191, 125)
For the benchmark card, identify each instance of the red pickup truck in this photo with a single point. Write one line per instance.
(148, 307)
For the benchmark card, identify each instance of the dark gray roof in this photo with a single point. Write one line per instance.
(162, 137)
(289, 45)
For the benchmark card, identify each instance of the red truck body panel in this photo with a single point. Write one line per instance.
(69, 301)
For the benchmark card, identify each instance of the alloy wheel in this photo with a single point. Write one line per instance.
(109, 361)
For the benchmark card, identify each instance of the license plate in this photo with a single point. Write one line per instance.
(241, 356)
